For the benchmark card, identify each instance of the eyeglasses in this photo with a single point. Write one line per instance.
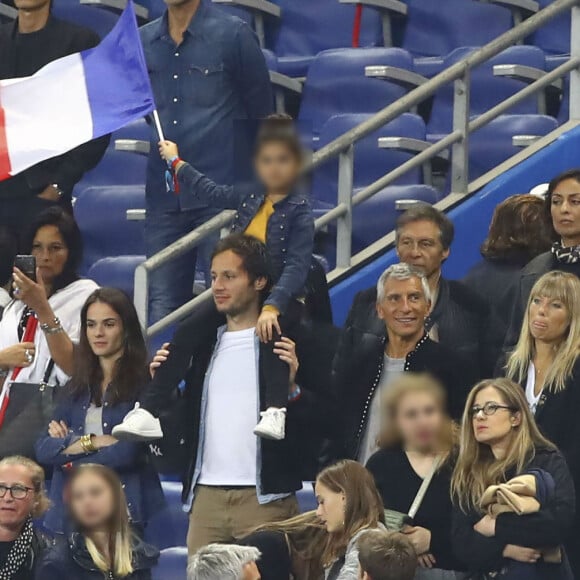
(489, 409)
(16, 491)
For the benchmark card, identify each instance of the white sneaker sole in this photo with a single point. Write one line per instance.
(140, 436)
(265, 434)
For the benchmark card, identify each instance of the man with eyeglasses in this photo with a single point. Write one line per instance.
(366, 368)
(22, 499)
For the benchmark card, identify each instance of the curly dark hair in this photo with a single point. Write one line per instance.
(520, 229)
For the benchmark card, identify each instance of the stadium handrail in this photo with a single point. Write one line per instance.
(343, 148)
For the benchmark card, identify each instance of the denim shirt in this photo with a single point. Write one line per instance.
(262, 498)
(289, 236)
(216, 76)
(130, 461)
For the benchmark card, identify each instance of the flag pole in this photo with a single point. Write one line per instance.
(158, 125)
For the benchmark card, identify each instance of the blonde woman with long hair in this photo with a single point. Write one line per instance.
(546, 363)
(419, 438)
(500, 440)
(102, 545)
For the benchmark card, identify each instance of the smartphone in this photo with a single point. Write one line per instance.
(27, 265)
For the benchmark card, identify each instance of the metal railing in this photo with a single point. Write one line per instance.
(343, 148)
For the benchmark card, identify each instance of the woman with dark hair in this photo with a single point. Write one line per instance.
(562, 206)
(102, 545)
(499, 442)
(110, 371)
(41, 325)
(519, 231)
(419, 443)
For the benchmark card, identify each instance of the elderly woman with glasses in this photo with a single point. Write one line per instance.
(500, 441)
(22, 499)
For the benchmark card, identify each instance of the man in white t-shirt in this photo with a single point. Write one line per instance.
(235, 481)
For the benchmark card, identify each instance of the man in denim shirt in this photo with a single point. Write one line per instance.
(207, 72)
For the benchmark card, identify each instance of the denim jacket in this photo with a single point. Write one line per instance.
(130, 460)
(290, 233)
(204, 90)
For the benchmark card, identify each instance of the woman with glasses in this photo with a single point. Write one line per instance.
(102, 545)
(546, 363)
(419, 440)
(22, 500)
(111, 369)
(40, 326)
(499, 441)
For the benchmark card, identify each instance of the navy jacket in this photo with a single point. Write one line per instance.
(290, 233)
(204, 90)
(70, 560)
(131, 461)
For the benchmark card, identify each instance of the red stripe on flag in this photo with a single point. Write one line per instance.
(5, 166)
(358, 10)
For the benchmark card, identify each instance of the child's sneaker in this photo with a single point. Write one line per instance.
(272, 425)
(138, 425)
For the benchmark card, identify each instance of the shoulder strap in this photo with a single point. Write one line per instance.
(424, 487)
(47, 372)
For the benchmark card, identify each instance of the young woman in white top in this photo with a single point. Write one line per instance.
(546, 363)
(55, 300)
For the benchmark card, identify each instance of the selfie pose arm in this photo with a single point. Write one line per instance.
(33, 294)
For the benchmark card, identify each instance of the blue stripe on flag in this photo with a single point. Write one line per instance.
(118, 86)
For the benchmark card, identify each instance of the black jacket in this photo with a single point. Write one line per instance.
(358, 365)
(493, 281)
(284, 463)
(70, 560)
(550, 526)
(42, 542)
(465, 324)
(55, 40)
(520, 291)
(398, 484)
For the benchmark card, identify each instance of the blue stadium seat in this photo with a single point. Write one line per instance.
(137, 130)
(370, 162)
(337, 84)
(376, 217)
(97, 19)
(308, 27)
(118, 272)
(487, 90)
(101, 213)
(116, 168)
(306, 498)
(437, 28)
(172, 565)
(237, 11)
(492, 144)
(168, 528)
(554, 37)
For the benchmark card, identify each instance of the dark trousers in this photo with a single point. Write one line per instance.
(275, 373)
(16, 214)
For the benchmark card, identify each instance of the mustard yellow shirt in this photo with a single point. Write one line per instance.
(257, 228)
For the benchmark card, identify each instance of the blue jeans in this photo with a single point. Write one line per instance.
(171, 286)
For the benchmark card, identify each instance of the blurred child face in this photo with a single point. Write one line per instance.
(91, 501)
(420, 421)
(277, 167)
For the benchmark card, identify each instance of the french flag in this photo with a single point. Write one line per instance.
(74, 99)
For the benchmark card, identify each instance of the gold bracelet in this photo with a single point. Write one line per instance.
(87, 444)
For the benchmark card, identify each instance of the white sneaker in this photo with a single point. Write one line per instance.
(138, 425)
(272, 425)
